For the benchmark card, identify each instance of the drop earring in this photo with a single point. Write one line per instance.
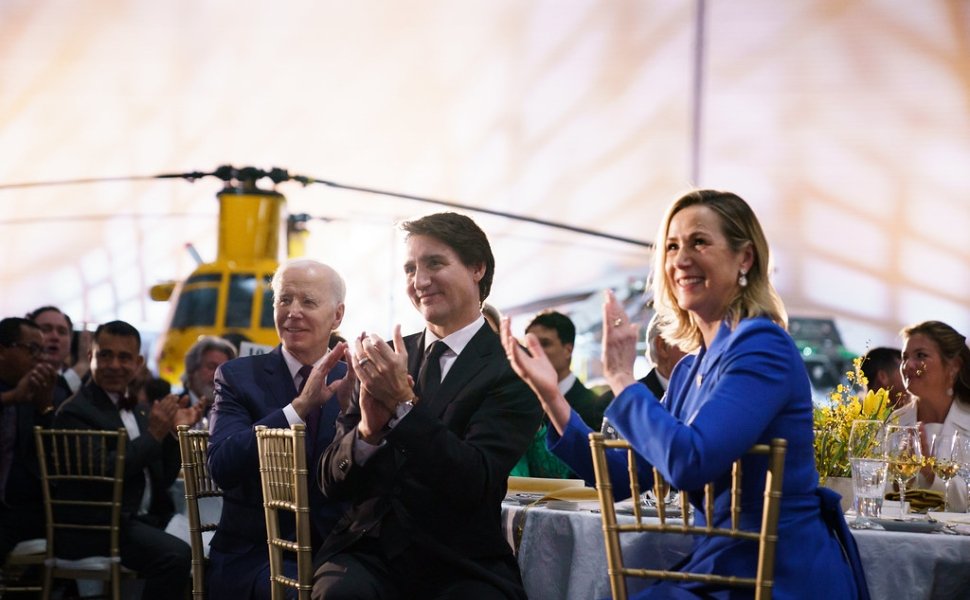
(743, 279)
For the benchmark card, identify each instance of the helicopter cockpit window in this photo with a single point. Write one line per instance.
(266, 319)
(198, 302)
(239, 307)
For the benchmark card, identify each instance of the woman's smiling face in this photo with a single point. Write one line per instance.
(701, 267)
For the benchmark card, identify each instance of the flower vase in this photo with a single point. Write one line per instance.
(842, 486)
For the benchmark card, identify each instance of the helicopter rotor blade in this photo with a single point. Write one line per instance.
(513, 216)
(228, 174)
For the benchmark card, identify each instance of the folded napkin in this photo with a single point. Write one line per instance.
(920, 500)
(542, 485)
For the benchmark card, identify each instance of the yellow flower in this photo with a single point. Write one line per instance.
(833, 423)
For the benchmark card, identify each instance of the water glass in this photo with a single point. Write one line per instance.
(868, 489)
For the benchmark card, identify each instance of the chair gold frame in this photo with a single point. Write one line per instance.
(283, 473)
(95, 457)
(766, 537)
(194, 445)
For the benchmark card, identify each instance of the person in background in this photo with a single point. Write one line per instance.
(201, 361)
(746, 385)
(58, 330)
(26, 400)
(881, 369)
(424, 451)
(152, 462)
(662, 355)
(298, 382)
(557, 336)
(936, 373)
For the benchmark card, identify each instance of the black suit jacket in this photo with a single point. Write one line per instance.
(651, 380)
(439, 479)
(23, 482)
(91, 408)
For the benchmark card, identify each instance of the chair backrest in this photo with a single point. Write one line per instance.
(283, 472)
(766, 536)
(194, 444)
(82, 477)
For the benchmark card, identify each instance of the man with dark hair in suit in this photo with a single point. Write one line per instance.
(152, 462)
(26, 395)
(424, 451)
(57, 328)
(881, 369)
(299, 382)
(557, 334)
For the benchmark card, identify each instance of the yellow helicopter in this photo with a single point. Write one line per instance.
(231, 296)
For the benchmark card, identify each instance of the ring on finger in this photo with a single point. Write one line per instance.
(617, 321)
(363, 361)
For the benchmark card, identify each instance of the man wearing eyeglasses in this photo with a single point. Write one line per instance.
(152, 462)
(26, 394)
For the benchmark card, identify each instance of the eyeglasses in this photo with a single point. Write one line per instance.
(34, 349)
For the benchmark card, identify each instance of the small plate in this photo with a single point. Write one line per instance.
(911, 526)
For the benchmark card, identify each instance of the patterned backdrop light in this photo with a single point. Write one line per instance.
(845, 124)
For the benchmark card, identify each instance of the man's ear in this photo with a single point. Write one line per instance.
(338, 316)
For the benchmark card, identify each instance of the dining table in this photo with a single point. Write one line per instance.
(561, 554)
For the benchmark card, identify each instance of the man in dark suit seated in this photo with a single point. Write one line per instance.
(426, 469)
(299, 382)
(663, 356)
(58, 330)
(557, 335)
(26, 400)
(152, 462)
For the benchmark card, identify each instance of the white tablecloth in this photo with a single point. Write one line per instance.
(561, 556)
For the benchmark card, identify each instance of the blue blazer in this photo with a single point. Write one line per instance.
(750, 386)
(251, 391)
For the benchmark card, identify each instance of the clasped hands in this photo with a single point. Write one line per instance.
(384, 382)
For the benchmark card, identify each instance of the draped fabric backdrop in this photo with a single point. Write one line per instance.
(846, 124)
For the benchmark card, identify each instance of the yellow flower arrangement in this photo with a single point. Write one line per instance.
(833, 423)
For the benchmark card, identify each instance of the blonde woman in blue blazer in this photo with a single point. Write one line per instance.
(744, 384)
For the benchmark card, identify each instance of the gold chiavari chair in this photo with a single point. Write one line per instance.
(283, 472)
(82, 475)
(194, 445)
(766, 537)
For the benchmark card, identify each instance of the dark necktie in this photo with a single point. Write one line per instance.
(429, 377)
(312, 419)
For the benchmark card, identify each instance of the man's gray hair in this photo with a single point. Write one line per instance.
(193, 358)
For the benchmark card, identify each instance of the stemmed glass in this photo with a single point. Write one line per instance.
(961, 454)
(905, 456)
(867, 456)
(945, 465)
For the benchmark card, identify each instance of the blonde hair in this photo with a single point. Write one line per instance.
(740, 226)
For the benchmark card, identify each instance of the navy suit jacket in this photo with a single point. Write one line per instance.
(251, 391)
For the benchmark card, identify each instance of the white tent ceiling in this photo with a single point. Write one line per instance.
(845, 124)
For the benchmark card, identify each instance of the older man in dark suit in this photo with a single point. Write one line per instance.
(299, 382)
(151, 462)
(426, 468)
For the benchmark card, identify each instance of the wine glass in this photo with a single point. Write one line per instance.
(867, 456)
(945, 465)
(961, 454)
(904, 454)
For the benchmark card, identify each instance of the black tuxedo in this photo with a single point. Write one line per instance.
(163, 560)
(434, 489)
